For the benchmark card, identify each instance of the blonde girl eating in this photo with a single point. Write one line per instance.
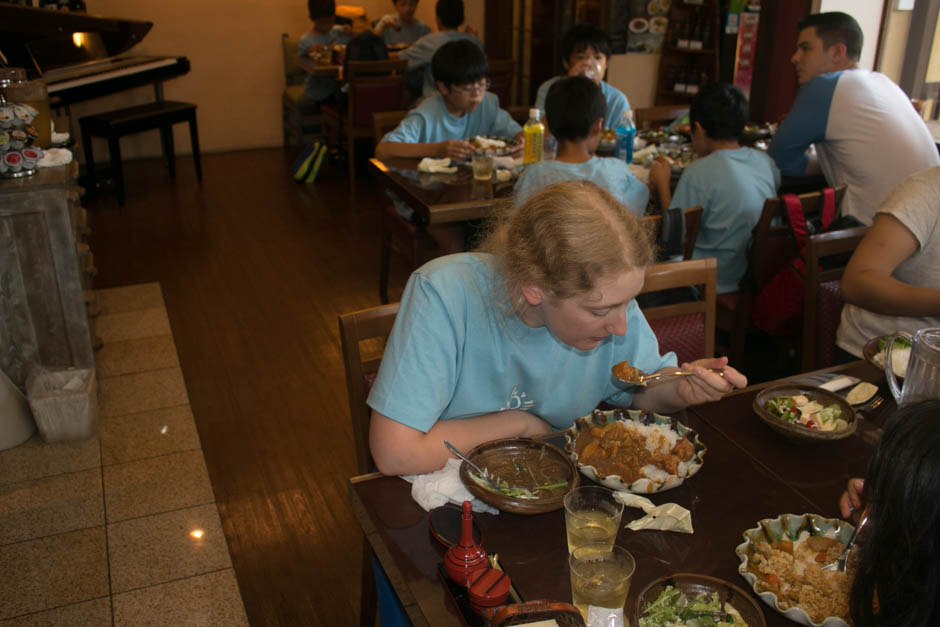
(518, 338)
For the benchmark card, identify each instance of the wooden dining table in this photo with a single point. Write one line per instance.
(441, 197)
(750, 472)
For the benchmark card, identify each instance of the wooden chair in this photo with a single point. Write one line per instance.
(693, 221)
(501, 75)
(773, 245)
(519, 113)
(412, 237)
(822, 295)
(362, 336)
(687, 328)
(374, 86)
(652, 117)
(300, 116)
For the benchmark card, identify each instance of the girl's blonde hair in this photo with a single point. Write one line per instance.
(563, 239)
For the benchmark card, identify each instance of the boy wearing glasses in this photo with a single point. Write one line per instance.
(450, 16)
(441, 126)
(575, 110)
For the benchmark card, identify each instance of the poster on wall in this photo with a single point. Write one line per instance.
(746, 51)
(647, 27)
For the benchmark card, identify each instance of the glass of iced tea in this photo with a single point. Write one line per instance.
(592, 515)
(482, 164)
(600, 580)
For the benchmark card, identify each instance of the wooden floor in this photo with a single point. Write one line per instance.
(255, 269)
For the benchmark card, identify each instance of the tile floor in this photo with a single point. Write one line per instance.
(121, 529)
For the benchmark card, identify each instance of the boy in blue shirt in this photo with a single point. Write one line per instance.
(401, 27)
(731, 182)
(441, 126)
(575, 110)
(321, 36)
(450, 16)
(585, 50)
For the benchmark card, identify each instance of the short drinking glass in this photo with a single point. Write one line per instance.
(482, 165)
(600, 580)
(591, 515)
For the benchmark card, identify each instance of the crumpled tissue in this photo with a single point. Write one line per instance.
(507, 162)
(52, 157)
(441, 166)
(434, 489)
(665, 517)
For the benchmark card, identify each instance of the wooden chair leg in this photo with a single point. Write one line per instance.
(385, 255)
(89, 161)
(170, 149)
(351, 156)
(194, 141)
(117, 168)
(368, 599)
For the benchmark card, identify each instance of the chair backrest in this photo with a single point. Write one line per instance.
(827, 255)
(374, 86)
(773, 244)
(385, 121)
(362, 335)
(692, 219)
(686, 328)
(501, 75)
(651, 117)
(519, 113)
(293, 73)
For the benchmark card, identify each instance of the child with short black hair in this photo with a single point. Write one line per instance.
(730, 181)
(575, 109)
(450, 16)
(463, 108)
(585, 51)
(401, 27)
(317, 40)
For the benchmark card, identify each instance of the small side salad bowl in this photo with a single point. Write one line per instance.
(795, 431)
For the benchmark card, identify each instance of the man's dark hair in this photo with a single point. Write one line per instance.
(836, 27)
(721, 109)
(449, 12)
(573, 105)
(459, 62)
(580, 36)
(321, 8)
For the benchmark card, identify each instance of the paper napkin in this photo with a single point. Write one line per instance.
(665, 517)
(441, 166)
(434, 489)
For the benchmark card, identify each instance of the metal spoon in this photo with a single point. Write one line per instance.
(637, 377)
(485, 475)
(840, 563)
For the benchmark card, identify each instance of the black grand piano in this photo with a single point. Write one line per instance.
(80, 56)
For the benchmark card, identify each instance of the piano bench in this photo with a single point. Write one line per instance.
(113, 125)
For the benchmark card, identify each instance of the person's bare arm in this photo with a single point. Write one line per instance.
(660, 175)
(706, 386)
(456, 149)
(399, 449)
(868, 283)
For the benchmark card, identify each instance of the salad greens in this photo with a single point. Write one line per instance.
(672, 608)
(898, 343)
(517, 492)
(810, 414)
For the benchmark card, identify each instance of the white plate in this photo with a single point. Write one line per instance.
(644, 485)
(789, 526)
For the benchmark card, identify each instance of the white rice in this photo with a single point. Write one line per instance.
(660, 439)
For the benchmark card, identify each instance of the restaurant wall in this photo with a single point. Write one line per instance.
(237, 73)
(895, 44)
(635, 75)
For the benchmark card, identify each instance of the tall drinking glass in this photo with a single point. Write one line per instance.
(592, 515)
(600, 581)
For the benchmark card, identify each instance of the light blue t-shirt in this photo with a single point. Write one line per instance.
(406, 34)
(432, 122)
(731, 186)
(419, 55)
(612, 174)
(457, 351)
(317, 88)
(616, 101)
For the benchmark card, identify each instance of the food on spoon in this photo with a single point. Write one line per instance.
(626, 372)
(633, 451)
(673, 608)
(813, 415)
(900, 355)
(792, 570)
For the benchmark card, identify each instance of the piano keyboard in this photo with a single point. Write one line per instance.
(55, 87)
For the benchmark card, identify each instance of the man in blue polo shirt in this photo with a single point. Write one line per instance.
(866, 133)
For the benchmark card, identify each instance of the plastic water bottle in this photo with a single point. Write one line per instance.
(626, 131)
(534, 133)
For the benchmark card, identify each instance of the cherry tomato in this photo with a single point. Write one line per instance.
(812, 425)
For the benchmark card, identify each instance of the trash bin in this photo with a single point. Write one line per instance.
(64, 402)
